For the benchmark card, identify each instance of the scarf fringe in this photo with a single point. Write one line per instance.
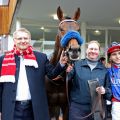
(29, 62)
(7, 78)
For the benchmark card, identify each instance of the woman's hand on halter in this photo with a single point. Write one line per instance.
(63, 59)
(69, 68)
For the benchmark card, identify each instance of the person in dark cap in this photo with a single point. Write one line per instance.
(85, 70)
(114, 72)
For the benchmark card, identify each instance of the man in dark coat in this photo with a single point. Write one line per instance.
(22, 80)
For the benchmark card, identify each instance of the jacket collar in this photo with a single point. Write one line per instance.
(99, 64)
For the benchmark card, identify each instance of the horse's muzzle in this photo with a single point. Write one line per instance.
(74, 53)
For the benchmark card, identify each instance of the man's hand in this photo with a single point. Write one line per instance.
(63, 58)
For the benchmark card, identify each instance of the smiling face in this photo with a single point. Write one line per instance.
(115, 57)
(93, 51)
(22, 40)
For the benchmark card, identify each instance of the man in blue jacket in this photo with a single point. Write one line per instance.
(22, 80)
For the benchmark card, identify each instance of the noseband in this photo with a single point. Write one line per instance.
(68, 24)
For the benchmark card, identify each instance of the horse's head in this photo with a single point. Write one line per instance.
(71, 43)
(66, 24)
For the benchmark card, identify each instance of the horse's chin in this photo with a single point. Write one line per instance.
(74, 55)
(74, 58)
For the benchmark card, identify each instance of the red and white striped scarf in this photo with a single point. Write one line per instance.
(9, 66)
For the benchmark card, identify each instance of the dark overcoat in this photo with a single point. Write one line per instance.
(36, 81)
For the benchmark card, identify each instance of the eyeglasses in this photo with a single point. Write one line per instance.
(20, 38)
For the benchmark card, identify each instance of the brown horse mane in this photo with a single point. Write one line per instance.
(57, 51)
(57, 48)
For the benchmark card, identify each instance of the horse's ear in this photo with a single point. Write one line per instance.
(77, 15)
(60, 14)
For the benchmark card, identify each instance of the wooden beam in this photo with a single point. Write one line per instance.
(6, 17)
(3, 20)
(12, 9)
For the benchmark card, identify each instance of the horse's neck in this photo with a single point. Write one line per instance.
(57, 51)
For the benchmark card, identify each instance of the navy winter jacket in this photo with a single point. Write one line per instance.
(80, 75)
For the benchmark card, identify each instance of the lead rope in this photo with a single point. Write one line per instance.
(98, 100)
(102, 112)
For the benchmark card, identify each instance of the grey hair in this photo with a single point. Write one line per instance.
(94, 41)
(21, 30)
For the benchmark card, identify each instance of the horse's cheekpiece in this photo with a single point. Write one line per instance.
(71, 34)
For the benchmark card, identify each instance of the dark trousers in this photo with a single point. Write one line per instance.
(108, 110)
(23, 111)
(78, 111)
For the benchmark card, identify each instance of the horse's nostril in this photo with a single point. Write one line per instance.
(79, 50)
(75, 50)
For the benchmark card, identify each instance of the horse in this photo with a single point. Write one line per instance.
(56, 88)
